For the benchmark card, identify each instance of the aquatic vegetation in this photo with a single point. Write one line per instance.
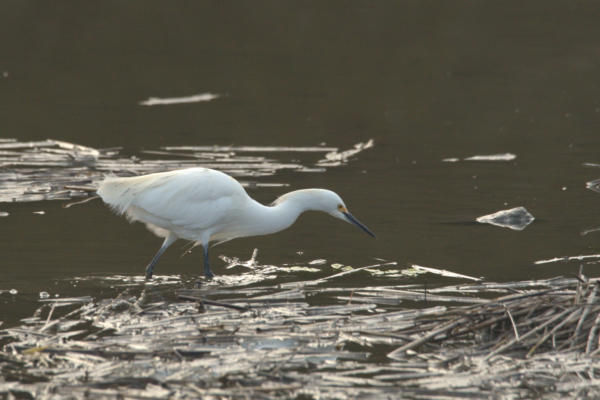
(512, 340)
(57, 170)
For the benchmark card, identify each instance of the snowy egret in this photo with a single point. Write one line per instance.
(204, 205)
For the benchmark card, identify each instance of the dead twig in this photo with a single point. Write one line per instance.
(213, 303)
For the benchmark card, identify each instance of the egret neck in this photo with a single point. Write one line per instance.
(263, 220)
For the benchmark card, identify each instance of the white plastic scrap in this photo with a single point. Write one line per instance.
(515, 218)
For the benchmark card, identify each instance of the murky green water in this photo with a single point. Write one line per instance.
(426, 81)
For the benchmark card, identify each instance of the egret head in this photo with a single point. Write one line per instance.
(320, 200)
(334, 205)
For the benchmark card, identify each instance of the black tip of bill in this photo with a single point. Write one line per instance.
(356, 222)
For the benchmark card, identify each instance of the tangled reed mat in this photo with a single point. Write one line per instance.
(225, 340)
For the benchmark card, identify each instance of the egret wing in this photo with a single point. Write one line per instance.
(193, 200)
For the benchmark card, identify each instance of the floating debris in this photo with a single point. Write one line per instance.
(75, 203)
(235, 262)
(67, 301)
(451, 159)
(58, 170)
(588, 231)
(388, 273)
(412, 272)
(39, 212)
(154, 101)
(13, 291)
(569, 258)
(253, 149)
(492, 157)
(488, 157)
(342, 267)
(130, 281)
(515, 218)
(593, 185)
(443, 272)
(336, 157)
(298, 268)
(479, 340)
(4, 214)
(560, 314)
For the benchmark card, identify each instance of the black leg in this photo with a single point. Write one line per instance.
(150, 268)
(207, 272)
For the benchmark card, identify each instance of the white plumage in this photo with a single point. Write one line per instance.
(205, 205)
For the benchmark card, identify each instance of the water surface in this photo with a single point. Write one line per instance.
(426, 81)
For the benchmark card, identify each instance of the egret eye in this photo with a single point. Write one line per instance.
(341, 208)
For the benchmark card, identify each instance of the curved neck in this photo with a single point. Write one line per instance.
(263, 220)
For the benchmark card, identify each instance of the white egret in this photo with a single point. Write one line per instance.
(204, 205)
